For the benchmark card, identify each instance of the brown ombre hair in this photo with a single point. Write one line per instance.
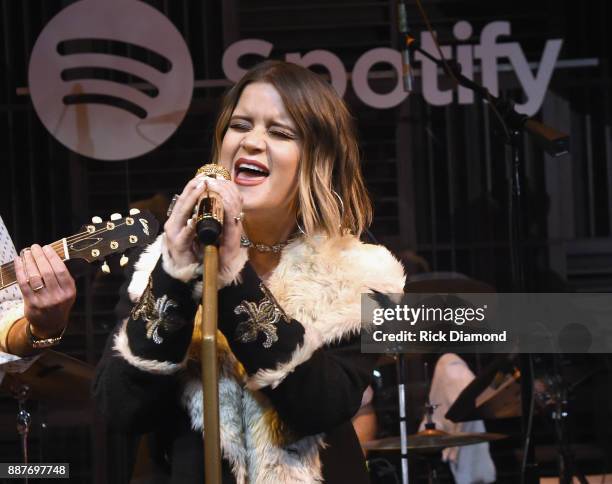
(329, 159)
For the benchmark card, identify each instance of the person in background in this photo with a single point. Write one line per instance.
(471, 464)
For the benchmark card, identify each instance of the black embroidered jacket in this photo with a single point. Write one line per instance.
(291, 373)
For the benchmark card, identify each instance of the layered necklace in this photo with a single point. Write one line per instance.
(276, 248)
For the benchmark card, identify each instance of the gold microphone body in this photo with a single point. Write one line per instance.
(209, 210)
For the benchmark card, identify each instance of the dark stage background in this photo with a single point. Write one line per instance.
(436, 174)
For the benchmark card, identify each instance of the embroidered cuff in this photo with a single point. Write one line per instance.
(122, 346)
(259, 332)
(161, 324)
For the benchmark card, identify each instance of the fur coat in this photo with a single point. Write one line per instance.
(290, 367)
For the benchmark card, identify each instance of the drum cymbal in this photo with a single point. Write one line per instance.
(432, 441)
(53, 376)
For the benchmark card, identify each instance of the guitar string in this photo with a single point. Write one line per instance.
(8, 269)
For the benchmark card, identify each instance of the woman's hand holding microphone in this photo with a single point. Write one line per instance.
(181, 240)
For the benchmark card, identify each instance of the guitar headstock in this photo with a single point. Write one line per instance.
(100, 238)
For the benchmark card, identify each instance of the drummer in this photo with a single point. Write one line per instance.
(468, 464)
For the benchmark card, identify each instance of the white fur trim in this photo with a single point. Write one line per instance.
(143, 268)
(122, 346)
(231, 274)
(319, 283)
(246, 441)
(267, 463)
(230, 421)
(273, 377)
(184, 274)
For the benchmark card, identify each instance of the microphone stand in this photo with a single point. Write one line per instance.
(208, 359)
(209, 225)
(555, 144)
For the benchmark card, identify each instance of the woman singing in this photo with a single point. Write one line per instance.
(292, 271)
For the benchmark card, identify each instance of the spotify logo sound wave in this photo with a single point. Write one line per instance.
(110, 79)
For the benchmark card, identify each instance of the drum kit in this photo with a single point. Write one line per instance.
(495, 393)
(478, 400)
(497, 400)
(51, 377)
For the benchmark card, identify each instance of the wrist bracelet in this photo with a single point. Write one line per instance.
(43, 343)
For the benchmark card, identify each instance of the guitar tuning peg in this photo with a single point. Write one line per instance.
(123, 261)
(134, 211)
(96, 220)
(105, 268)
(115, 216)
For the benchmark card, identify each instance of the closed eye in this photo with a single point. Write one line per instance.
(282, 134)
(240, 126)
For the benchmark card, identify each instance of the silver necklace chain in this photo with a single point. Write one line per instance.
(276, 248)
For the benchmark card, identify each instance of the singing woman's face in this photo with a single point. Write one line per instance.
(261, 149)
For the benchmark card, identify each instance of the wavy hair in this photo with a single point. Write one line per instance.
(329, 166)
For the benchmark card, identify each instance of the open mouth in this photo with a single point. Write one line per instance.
(250, 172)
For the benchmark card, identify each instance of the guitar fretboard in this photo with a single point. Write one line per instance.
(7, 270)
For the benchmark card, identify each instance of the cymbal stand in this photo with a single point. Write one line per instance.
(24, 419)
(429, 410)
(401, 393)
(432, 471)
(560, 415)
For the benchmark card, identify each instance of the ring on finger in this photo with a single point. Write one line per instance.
(36, 277)
(38, 288)
(172, 204)
(239, 218)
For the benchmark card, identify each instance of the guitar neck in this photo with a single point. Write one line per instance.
(97, 240)
(7, 271)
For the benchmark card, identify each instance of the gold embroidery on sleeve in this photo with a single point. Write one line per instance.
(154, 313)
(262, 317)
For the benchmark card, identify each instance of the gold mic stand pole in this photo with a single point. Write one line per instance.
(210, 375)
(209, 225)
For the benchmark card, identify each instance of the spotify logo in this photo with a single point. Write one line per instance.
(110, 79)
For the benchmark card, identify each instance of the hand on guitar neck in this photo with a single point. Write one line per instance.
(48, 292)
(47, 287)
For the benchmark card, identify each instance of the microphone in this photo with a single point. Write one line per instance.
(406, 41)
(209, 210)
